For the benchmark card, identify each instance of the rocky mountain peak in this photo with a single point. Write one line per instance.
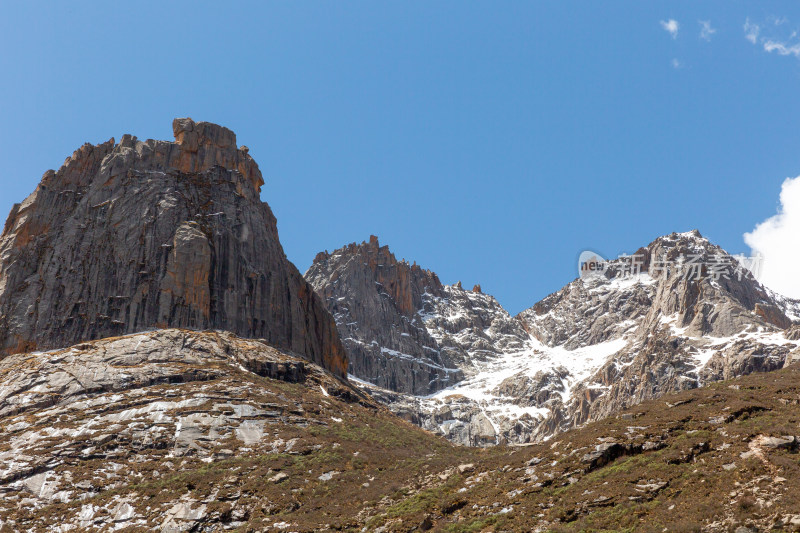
(203, 145)
(681, 277)
(149, 234)
(707, 289)
(679, 312)
(366, 288)
(680, 246)
(198, 147)
(404, 282)
(447, 337)
(191, 135)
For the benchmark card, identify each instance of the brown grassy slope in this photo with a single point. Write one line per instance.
(692, 461)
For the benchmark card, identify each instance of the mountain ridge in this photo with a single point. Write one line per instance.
(553, 366)
(389, 291)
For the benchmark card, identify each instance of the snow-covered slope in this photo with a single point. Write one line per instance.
(600, 344)
(471, 327)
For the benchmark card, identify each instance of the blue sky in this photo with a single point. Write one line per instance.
(490, 142)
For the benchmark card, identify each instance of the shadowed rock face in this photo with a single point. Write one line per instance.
(139, 235)
(376, 301)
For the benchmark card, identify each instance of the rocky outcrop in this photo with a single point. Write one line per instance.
(587, 312)
(136, 235)
(539, 389)
(472, 326)
(682, 275)
(706, 290)
(404, 330)
(376, 301)
(81, 426)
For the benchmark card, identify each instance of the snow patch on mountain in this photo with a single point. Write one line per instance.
(537, 358)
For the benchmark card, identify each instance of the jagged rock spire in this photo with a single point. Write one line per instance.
(146, 234)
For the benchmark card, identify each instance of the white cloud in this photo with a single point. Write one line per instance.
(706, 31)
(751, 31)
(781, 46)
(783, 49)
(778, 20)
(776, 239)
(671, 26)
(676, 63)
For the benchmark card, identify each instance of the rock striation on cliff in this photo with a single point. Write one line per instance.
(137, 235)
(377, 302)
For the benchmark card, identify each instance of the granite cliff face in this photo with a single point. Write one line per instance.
(136, 235)
(376, 301)
(677, 314)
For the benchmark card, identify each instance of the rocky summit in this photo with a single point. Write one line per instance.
(677, 314)
(377, 302)
(137, 235)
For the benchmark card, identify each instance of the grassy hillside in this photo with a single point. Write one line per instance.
(316, 455)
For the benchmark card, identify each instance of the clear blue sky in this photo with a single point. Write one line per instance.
(490, 142)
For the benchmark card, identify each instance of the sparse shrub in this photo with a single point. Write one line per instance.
(747, 503)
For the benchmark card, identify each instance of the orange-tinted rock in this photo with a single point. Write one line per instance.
(130, 236)
(773, 315)
(188, 273)
(376, 300)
